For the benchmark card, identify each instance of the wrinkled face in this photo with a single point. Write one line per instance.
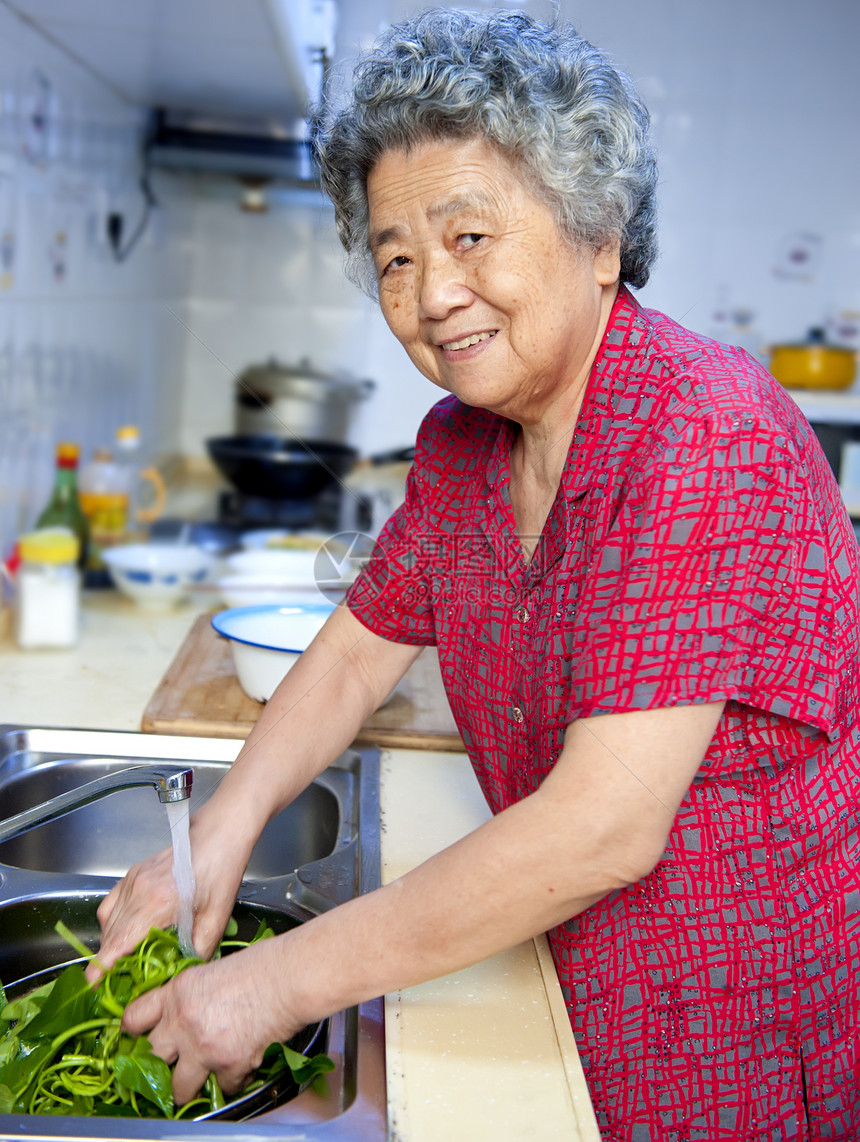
(476, 282)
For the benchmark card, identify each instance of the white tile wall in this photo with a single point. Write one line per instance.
(83, 343)
(755, 108)
(272, 285)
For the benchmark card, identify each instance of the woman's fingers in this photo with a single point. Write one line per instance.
(153, 1015)
(189, 1075)
(144, 1014)
(208, 928)
(209, 1019)
(146, 898)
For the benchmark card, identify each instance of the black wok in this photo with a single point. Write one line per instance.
(278, 467)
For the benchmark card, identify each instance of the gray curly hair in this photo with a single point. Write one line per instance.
(541, 94)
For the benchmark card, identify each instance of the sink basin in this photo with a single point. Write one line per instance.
(320, 852)
(31, 954)
(29, 943)
(108, 836)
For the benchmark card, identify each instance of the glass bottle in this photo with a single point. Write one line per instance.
(103, 494)
(128, 459)
(64, 508)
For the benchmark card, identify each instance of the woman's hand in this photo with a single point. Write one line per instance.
(147, 898)
(218, 1017)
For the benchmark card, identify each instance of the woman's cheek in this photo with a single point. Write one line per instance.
(393, 306)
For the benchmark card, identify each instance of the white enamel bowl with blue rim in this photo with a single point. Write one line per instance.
(268, 640)
(158, 574)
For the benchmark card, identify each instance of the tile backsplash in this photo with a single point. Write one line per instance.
(84, 344)
(755, 112)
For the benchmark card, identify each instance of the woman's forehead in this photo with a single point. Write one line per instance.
(440, 181)
(463, 202)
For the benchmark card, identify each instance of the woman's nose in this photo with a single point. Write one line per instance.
(442, 288)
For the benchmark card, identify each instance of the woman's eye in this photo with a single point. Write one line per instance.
(396, 263)
(467, 241)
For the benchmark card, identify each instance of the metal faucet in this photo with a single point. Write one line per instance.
(172, 784)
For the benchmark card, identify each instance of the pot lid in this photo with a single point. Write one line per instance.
(273, 373)
(815, 339)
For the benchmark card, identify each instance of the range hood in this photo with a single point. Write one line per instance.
(251, 149)
(225, 84)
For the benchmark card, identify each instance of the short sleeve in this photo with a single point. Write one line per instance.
(713, 582)
(391, 596)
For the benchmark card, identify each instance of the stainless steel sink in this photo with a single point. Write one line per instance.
(320, 852)
(107, 837)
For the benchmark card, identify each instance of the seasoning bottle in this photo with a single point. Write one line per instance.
(48, 589)
(103, 494)
(64, 508)
(134, 477)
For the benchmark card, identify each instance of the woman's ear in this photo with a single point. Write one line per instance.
(607, 264)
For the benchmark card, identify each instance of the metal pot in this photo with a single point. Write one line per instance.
(813, 364)
(297, 400)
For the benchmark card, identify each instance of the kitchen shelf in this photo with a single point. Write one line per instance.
(828, 407)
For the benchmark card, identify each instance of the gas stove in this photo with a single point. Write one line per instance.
(318, 513)
(331, 511)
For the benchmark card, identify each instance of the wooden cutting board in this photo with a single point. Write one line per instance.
(200, 695)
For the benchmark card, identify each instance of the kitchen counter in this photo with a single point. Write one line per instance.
(106, 680)
(485, 1053)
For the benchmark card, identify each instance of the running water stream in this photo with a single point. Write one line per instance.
(178, 813)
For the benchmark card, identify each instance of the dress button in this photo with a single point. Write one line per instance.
(521, 614)
(518, 715)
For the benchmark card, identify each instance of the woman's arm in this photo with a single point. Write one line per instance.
(598, 822)
(312, 717)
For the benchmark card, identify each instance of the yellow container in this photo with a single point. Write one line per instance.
(49, 545)
(813, 364)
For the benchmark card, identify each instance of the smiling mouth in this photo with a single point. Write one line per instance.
(467, 342)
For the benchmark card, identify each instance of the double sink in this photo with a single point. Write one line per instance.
(319, 852)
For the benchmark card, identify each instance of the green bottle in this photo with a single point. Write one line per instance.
(64, 508)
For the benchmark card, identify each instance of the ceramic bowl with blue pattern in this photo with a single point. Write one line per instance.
(158, 575)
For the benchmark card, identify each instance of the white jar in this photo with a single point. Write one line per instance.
(49, 589)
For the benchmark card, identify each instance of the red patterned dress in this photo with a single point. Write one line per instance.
(697, 550)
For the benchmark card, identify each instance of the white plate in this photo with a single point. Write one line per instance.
(256, 590)
(278, 539)
(295, 567)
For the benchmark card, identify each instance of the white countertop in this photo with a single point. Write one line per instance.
(106, 680)
(484, 1054)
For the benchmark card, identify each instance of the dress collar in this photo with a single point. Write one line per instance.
(608, 392)
(606, 396)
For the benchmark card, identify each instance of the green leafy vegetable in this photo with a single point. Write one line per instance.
(147, 1074)
(70, 1001)
(278, 1056)
(62, 1050)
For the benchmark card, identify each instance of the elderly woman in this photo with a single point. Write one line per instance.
(630, 552)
